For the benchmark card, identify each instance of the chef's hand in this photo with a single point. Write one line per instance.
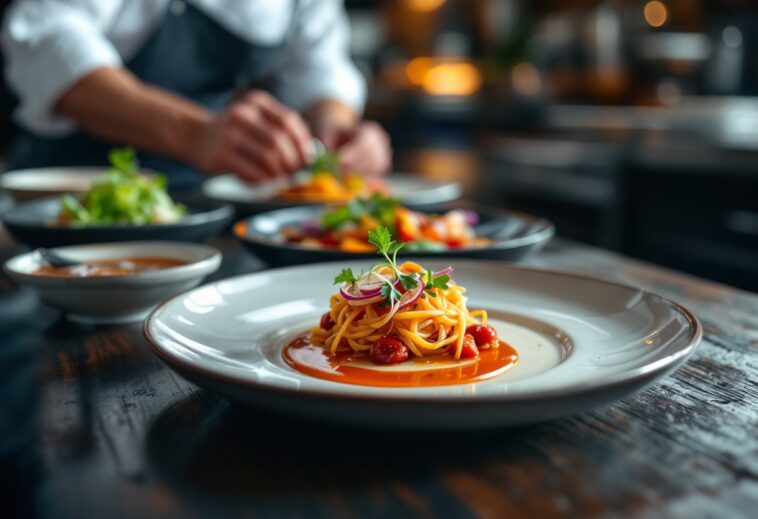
(256, 138)
(363, 149)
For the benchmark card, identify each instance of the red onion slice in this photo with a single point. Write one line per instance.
(471, 217)
(448, 271)
(364, 302)
(353, 297)
(370, 290)
(411, 295)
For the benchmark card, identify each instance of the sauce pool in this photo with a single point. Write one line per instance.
(434, 370)
(111, 267)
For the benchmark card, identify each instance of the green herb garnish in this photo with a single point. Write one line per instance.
(439, 282)
(380, 207)
(387, 247)
(382, 240)
(328, 162)
(123, 196)
(346, 276)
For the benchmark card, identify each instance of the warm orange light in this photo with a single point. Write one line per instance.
(655, 13)
(452, 79)
(425, 5)
(417, 68)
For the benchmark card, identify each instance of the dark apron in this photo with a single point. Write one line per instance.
(189, 54)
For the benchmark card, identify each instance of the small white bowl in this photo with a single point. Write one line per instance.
(116, 299)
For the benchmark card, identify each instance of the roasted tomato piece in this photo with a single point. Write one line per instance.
(328, 240)
(389, 350)
(469, 349)
(326, 321)
(483, 334)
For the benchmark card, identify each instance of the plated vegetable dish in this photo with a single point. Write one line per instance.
(405, 316)
(347, 227)
(325, 183)
(122, 196)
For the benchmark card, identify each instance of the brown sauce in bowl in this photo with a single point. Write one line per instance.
(111, 267)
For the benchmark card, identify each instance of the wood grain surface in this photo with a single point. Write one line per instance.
(94, 425)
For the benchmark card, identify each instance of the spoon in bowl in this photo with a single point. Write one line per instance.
(54, 259)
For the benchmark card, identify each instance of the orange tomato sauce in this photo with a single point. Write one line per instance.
(434, 370)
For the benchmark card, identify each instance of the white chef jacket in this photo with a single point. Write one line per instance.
(50, 44)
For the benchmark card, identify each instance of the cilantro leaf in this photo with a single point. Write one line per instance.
(391, 293)
(439, 282)
(346, 276)
(408, 281)
(382, 240)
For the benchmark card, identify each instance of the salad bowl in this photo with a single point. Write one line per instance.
(34, 224)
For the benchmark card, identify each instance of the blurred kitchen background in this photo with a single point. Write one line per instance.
(632, 124)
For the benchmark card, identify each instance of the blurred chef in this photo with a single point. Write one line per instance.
(211, 85)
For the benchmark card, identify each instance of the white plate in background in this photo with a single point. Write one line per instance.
(254, 198)
(28, 184)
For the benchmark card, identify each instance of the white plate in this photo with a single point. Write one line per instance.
(411, 190)
(27, 184)
(582, 342)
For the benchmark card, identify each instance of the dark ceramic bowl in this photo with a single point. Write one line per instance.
(32, 223)
(514, 235)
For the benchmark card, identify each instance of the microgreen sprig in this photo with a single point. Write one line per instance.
(381, 238)
(387, 247)
(346, 276)
(432, 282)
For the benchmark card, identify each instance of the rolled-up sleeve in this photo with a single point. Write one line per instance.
(317, 64)
(49, 45)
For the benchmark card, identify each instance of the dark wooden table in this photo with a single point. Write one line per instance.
(97, 426)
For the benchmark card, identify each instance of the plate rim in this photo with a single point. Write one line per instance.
(267, 203)
(543, 234)
(637, 375)
(82, 171)
(212, 211)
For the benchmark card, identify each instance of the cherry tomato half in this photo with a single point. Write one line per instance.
(469, 349)
(326, 321)
(483, 334)
(389, 350)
